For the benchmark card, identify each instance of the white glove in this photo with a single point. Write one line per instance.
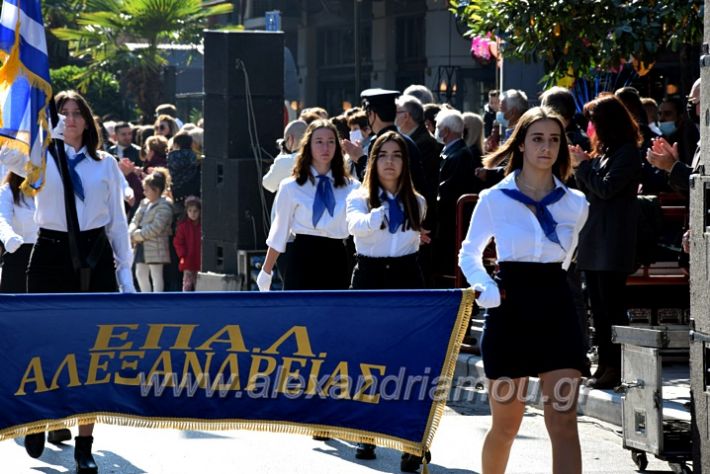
(377, 217)
(13, 243)
(490, 295)
(58, 131)
(263, 280)
(125, 281)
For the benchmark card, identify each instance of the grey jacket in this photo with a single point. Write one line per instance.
(152, 227)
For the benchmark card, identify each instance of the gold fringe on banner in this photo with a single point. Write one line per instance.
(357, 436)
(196, 424)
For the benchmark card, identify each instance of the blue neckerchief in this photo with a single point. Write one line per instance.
(75, 179)
(324, 198)
(396, 215)
(547, 222)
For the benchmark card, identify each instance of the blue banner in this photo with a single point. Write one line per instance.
(372, 366)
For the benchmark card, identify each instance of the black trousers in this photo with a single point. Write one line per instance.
(606, 297)
(387, 273)
(14, 270)
(317, 263)
(50, 269)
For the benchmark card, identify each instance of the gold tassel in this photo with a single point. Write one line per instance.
(425, 463)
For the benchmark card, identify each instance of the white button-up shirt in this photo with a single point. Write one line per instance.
(369, 228)
(102, 206)
(293, 212)
(17, 220)
(518, 235)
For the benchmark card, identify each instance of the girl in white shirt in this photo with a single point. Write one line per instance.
(18, 233)
(384, 216)
(311, 205)
(102, 240)
(531, 327)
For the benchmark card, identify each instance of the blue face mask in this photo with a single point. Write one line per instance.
(667, 128)
(500, 118)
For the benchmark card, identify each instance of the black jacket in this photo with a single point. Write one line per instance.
(132, 153)
(608, 240)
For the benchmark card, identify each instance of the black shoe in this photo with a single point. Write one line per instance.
(365, 451)
(57, 436)
(598, 373)
(85, 463)
(411, 463)
(34, 444)
(610, 379)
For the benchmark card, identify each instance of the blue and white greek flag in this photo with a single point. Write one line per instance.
(25, 89)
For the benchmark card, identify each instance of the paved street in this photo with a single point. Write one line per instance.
(456, 451)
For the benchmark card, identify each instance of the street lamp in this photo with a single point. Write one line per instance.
(447, 81)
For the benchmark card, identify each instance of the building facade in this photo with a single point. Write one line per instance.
(399, 42)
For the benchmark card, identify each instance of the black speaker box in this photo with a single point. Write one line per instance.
(226, 124)
(231, 211)
(219, 256)
(261, 52)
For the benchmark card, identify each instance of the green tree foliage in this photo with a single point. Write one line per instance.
(102, 92)
(106, 27)
(580, 37)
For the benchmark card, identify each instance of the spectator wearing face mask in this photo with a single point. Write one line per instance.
(667, 157)
(513, 104)
(676, 127)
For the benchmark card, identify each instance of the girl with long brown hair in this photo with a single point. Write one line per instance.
(103, 233)
(311, 205)
(531, 327)
(384, 216)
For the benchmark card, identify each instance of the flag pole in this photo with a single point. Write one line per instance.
(72, 219)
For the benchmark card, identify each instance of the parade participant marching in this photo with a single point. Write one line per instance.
(311, 205)
(531, 328)
(18, 233)
(385, 217)
(102, 235)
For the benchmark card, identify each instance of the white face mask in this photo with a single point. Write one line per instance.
(356, 136)
(437, 135)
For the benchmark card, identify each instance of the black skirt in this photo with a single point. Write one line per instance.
(535, 329)
(14, 270)
(50, 269)
(317, 263)
(387, 273)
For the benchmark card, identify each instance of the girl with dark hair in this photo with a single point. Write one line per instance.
(103, 231)
(18, 232)
(610, 179)
(385, 217)
(311, 205)
(531, 327)
(150, 231)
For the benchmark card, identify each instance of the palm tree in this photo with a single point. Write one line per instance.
(106, 28)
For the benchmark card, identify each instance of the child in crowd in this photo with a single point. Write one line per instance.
(184, 169)
(149, 231)
(187, 242)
